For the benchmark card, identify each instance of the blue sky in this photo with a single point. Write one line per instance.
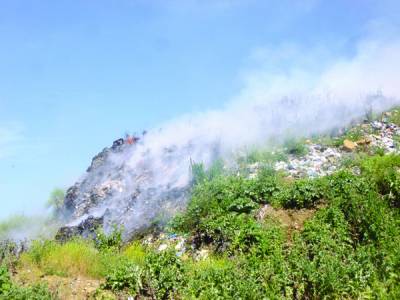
(75, 75)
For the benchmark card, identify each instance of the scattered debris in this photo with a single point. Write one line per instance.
(322, 160)
(319, 161)
(86, 228)
(202, 254)
(162, 247)
(117, 192)
(349, 145)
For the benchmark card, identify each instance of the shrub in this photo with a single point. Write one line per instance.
(200, 173)
(127, 276)
(366, 214)
(212, 199)
(391, 185)
(165, 274)
(231, 232)
(378, 167)
(395, 116)
(5, 280)
(219, 278)
(8, 252)
(304, 193)
(295, 147)
(109, 242)
(384, 173)
(34, 292)
(8, 290)
(262, 188)
(345, 184)
(323, 262)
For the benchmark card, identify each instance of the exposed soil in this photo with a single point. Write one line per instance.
(74, 288)
(291, 219)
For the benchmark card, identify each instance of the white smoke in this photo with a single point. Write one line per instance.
(269, 108)
(297, 102)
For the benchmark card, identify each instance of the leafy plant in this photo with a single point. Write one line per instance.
(165, 274)
(5, 280)
(304, 193)
(126, 276)
(295, 147)
(200, 173)
(109, 242)
(8, 290)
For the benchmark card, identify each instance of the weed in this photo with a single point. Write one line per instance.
(76, 257)
(109, 242)
(9, 290)
(304, 193)
(164, 274)
(135, 253)
(200, 173)
(295, 147)
(265, 156)
(127, 276)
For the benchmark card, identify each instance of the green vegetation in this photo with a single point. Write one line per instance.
(200, 173)
(109, 242)
(56, 201)
(264, 156)
(9, 290)
(347, 248)
(75, 257)
(295, 147)
(394, 116)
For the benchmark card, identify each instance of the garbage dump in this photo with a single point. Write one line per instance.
(130, 186)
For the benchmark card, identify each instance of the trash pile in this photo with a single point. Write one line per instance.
(322, 160)
(385, 135)
(116, 192)
(137, 186)
(319, 161)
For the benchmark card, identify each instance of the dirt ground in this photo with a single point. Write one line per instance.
(74, 288)
(291, 219)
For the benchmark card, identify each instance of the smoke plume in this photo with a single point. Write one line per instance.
(149, 180)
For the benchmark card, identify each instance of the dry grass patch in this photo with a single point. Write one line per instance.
(74, 258)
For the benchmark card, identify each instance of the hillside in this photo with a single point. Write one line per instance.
(315, 218)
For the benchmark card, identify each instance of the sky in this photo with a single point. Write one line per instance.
(76, 75)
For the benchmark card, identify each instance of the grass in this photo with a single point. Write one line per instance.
(135, 253)
(265, 156)
(77, 257)
(295, 147)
